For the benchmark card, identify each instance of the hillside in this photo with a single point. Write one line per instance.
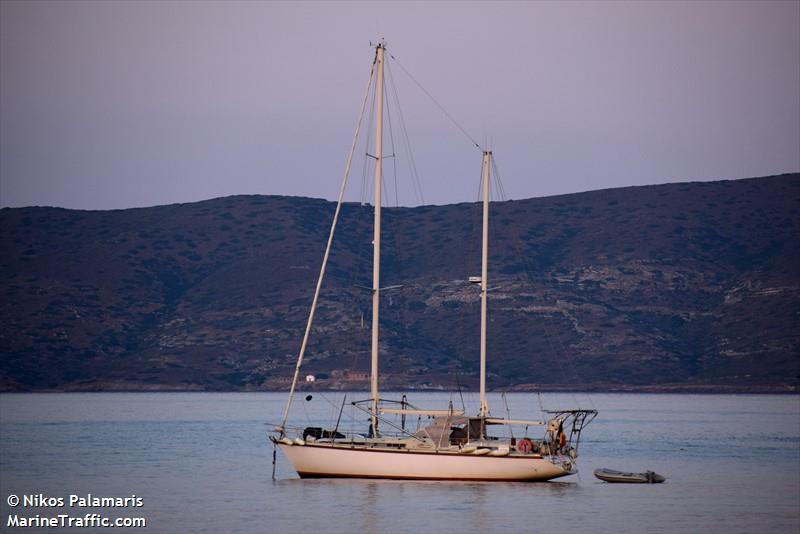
(693, 285)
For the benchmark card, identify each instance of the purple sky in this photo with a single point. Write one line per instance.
(122, 104)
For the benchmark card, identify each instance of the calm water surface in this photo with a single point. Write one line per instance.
(201, 463)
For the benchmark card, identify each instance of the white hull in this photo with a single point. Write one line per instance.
(326, 461)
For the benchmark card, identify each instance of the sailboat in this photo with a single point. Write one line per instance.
(452, 445)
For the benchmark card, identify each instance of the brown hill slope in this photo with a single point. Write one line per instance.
(687, 284)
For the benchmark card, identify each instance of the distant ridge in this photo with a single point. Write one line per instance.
(676, 287)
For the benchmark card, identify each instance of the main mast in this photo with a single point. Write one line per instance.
(376, 240)
(487, 156)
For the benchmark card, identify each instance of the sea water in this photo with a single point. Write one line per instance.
(201, 462)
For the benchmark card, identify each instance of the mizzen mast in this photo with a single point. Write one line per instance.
(487, 156)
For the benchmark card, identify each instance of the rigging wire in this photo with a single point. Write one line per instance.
(570, 374)
(394, 159)
(565, 365)
(366, 185)
(395, 234)
(508, 414)
(354, 289)
(384, 189)
(362, 249)
(325, 257)
(496, 174)
(479, 195)
(441, 107)
(407, 141)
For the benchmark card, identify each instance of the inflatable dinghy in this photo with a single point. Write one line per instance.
(609, 475)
